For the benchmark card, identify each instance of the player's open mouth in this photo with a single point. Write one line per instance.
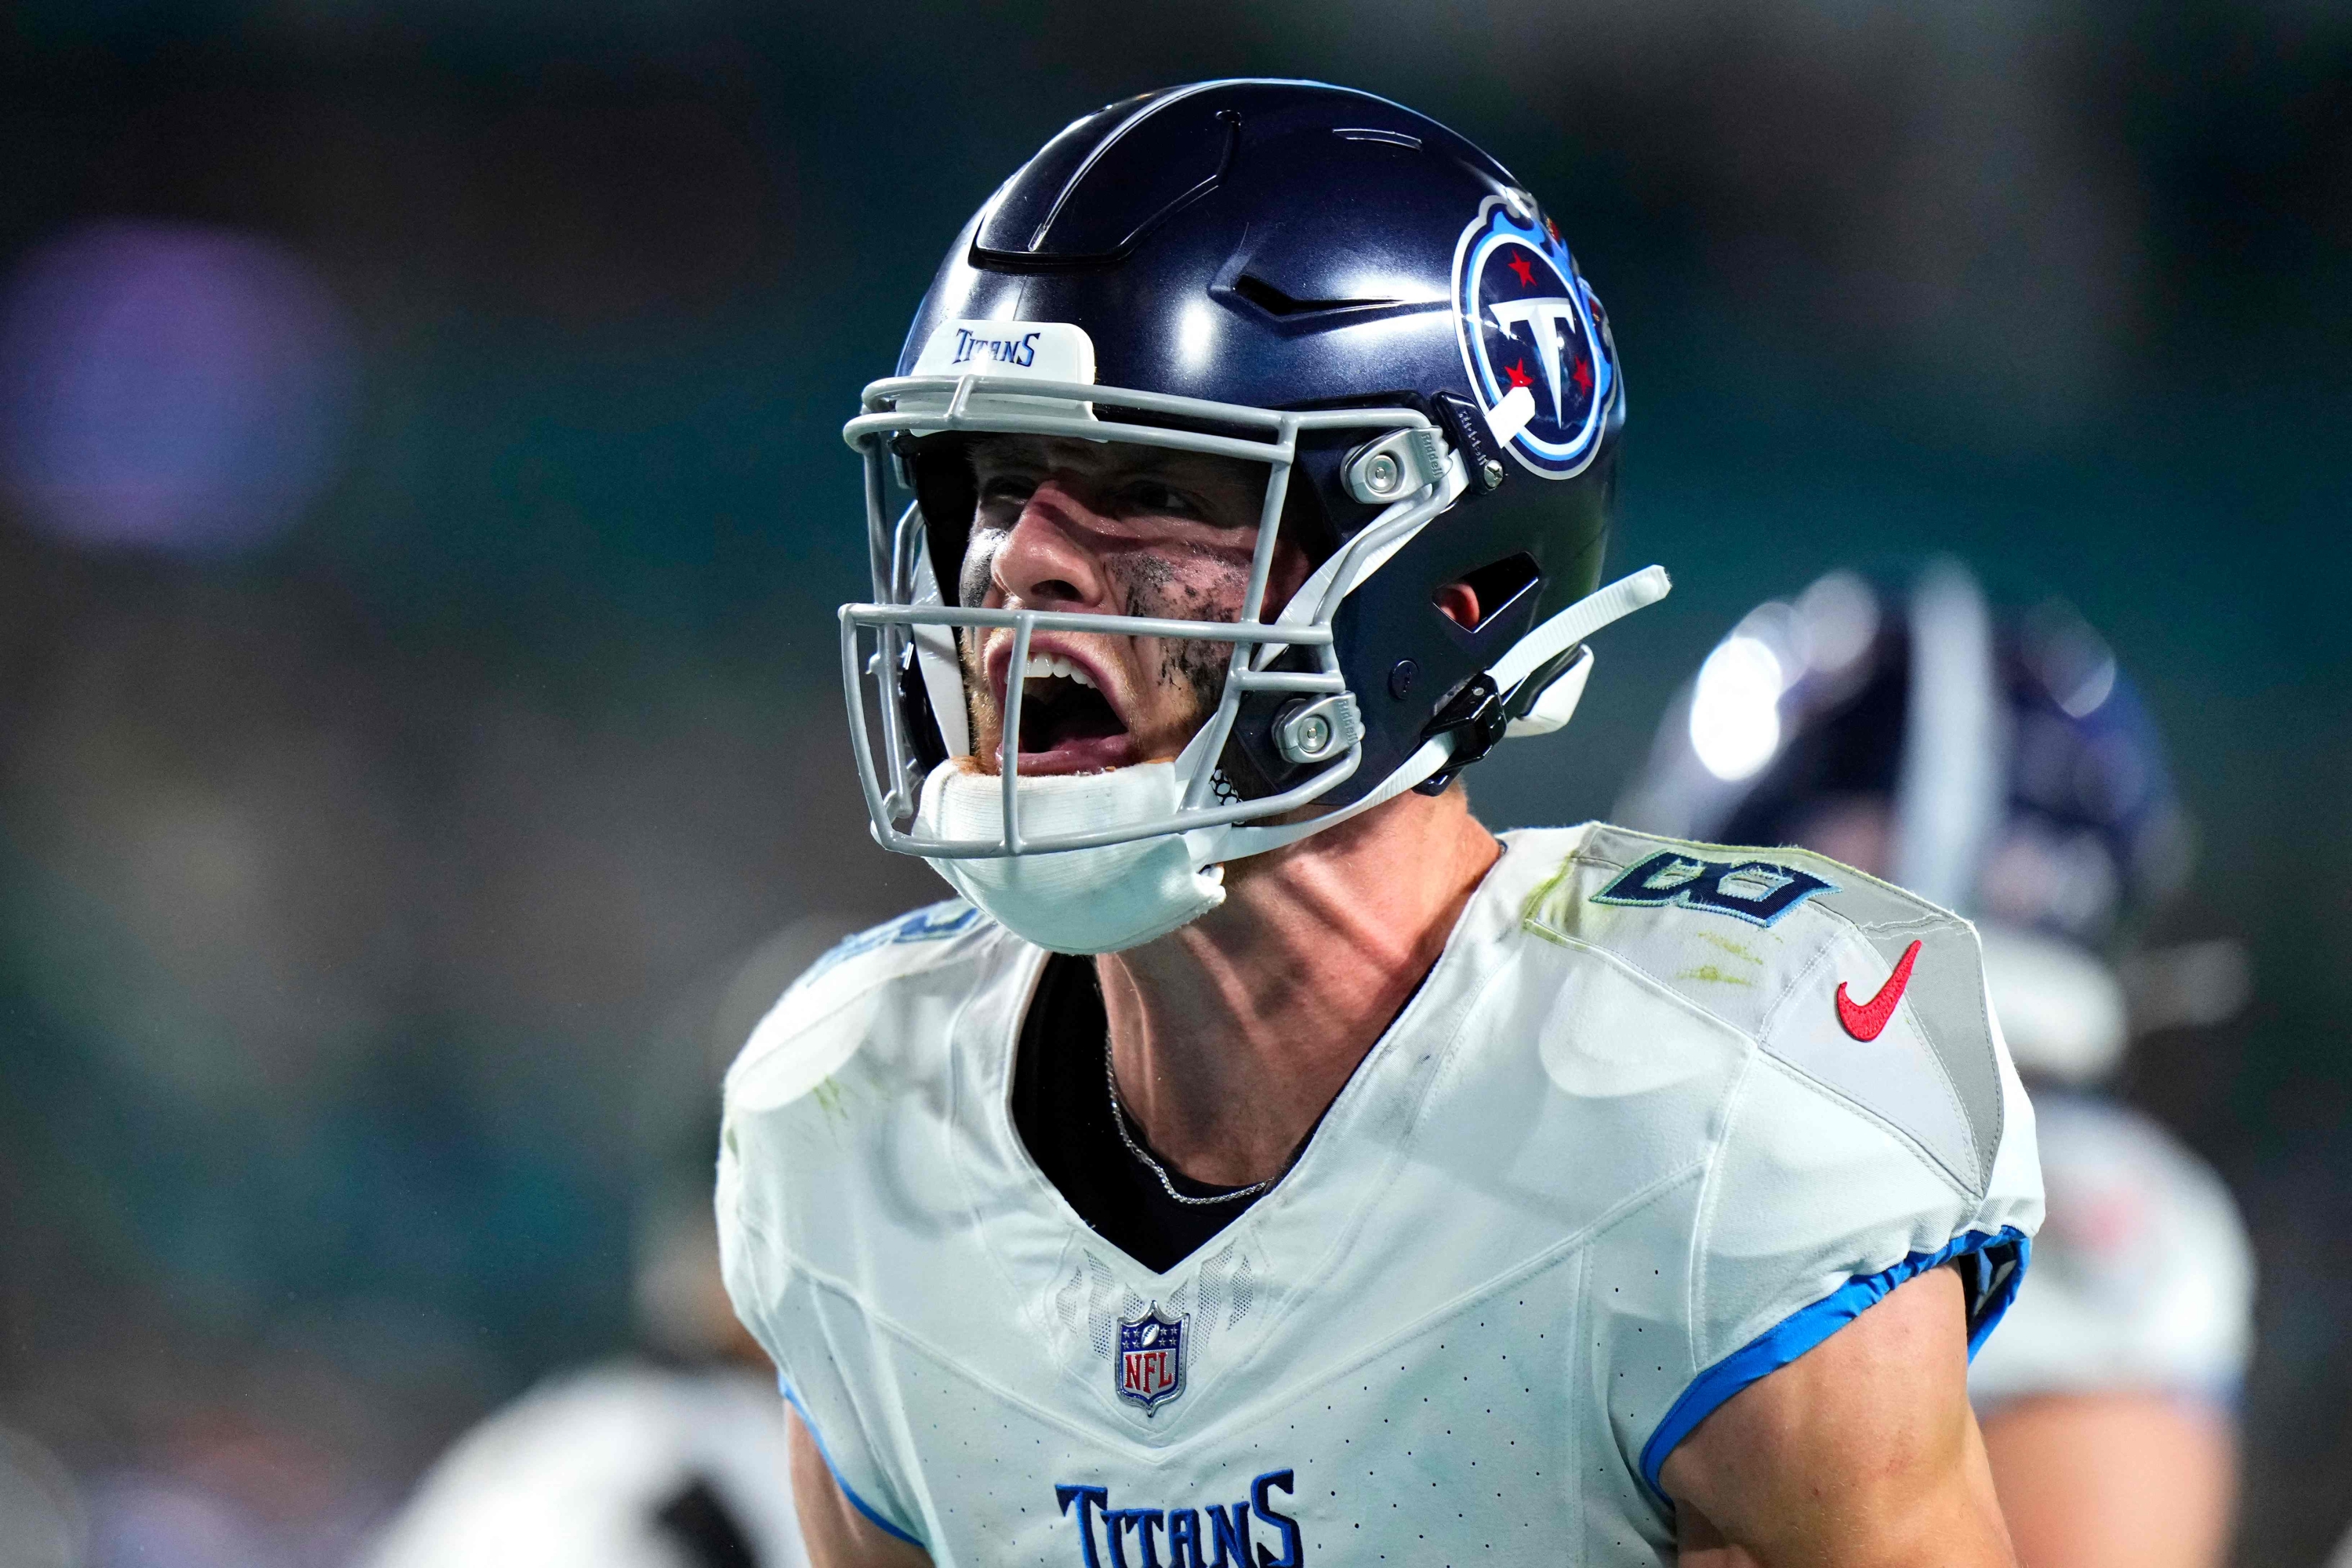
(1067, 725)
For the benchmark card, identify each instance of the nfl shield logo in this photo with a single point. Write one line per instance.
(1150, 1365)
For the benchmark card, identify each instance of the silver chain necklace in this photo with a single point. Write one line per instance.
(1119, 1116)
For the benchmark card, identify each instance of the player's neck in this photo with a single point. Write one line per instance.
(1232, 1035)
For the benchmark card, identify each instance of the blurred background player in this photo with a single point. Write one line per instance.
(2006, 768)
(674, 1457)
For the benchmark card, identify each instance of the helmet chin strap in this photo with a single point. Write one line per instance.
(1572, 626)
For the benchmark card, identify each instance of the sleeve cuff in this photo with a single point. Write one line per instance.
(1991, 1265)
(855, 1502)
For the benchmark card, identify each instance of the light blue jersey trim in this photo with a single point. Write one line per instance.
(1799, 1332)
(859, 1504)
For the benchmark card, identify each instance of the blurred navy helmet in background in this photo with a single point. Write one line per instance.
(2002, 764)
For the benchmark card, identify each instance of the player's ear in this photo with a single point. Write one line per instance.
(1458, 603)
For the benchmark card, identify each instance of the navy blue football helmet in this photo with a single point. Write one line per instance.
(1999, 764)
(1304, 276)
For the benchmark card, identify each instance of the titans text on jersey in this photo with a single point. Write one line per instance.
(1622, 1156)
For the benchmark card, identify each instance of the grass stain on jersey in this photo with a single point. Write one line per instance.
(1735, 948)
(1543, 914)
(831, 1099)
(1714, 976)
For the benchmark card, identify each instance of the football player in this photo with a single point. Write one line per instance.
(2008, 769)
(1258, 1161)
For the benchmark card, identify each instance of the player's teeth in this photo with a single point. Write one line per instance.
(1041, 665)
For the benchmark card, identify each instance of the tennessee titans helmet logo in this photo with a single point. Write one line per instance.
(1528, 324)
(1151, 1363)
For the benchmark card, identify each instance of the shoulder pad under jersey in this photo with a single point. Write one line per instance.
(1868, 991)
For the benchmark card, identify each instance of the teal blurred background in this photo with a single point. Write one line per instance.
(424, 511)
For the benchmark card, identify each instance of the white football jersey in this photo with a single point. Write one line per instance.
(2143, 1278)
(621, 1466)
(1663, 1117)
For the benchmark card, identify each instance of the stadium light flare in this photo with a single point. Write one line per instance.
(170, 387)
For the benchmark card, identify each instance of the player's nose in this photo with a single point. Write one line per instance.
(1046, 561)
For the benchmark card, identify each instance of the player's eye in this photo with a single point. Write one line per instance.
(1160, 499)
(1007, 489)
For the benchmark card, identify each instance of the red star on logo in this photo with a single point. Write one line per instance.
(1520, 265)
(1518, 374)
(1583, 376)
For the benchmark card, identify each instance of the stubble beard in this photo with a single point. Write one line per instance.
(1156, 590)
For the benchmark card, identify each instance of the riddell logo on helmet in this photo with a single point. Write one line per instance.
(1535, 342)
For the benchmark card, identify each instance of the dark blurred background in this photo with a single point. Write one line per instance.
(422, 512)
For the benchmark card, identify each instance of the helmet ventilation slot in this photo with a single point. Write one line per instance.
(1274, 302)
(1474, 598)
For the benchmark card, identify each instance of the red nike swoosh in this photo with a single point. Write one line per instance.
(1868, 1020)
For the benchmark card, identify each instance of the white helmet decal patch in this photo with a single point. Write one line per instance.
(1049, 350)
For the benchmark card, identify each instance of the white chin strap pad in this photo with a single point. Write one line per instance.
(1104, 899)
